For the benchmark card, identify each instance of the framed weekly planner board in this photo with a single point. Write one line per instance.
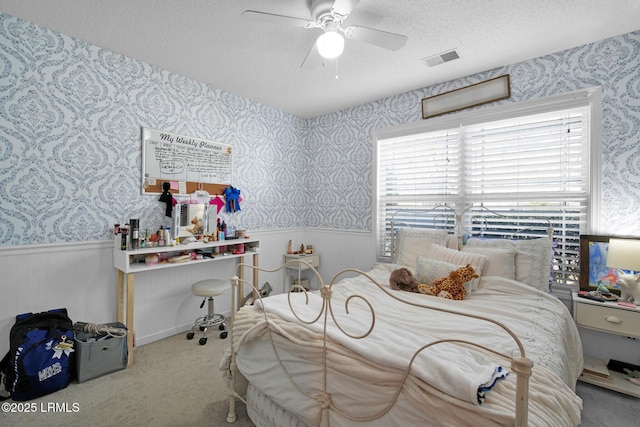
(186, 163)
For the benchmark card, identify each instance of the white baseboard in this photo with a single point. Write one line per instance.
(156, 336)
(160, 335)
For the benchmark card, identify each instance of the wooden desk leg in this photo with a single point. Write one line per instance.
(120, 296)
(129, 321)
(124, 300)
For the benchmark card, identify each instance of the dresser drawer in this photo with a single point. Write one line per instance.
(622, 322)
(314, 260)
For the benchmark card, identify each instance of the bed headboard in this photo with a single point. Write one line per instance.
(440, 217)
(514, 245)
(477, 220)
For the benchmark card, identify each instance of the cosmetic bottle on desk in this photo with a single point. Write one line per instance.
(135, 233)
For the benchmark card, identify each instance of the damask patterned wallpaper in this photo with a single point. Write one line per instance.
(342, 147)
(70, 125)
(71, 116)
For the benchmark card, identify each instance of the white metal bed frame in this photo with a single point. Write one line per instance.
(520, 364)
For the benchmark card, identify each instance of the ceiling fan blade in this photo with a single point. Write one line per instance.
(313, 58)
(379, 38)
(344, 7)
(270, 18)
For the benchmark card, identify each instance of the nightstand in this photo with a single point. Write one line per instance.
(295, 263)
(608, 317)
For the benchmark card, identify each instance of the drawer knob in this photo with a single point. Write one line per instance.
(613, 319)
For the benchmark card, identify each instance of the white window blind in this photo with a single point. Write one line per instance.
(529, 165)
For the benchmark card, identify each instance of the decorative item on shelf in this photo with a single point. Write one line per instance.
(299, 251)
(167, 198)
(201, 195)
(289, 248)
(218, 202)
(232, 197)
(624, 254)
(309, 250)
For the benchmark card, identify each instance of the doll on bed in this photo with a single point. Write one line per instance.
(402, 279)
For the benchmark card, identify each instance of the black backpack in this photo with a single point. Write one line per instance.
(40, 359)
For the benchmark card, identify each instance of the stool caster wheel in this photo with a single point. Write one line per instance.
(190, 335)
(202, 340)
(223, 334)
(222, 326)
(202, 329)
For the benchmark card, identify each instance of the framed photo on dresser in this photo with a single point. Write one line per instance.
(593, 263)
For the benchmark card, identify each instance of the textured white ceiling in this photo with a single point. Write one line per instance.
(209, 41)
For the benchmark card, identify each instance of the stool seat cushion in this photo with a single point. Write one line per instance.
(210, 287)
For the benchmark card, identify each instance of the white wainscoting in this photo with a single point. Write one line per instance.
(78, 276)
(81, 277)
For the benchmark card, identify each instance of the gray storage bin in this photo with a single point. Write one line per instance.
(100, 354)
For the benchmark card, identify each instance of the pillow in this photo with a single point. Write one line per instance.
(500, 262)
(533, 258)
(415, 242)
(428, 270)
(452, 241)
(460, 258)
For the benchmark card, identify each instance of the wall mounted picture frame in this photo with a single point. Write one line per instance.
(593, 260)
(473, 95)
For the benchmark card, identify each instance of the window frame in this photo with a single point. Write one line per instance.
(590, 98)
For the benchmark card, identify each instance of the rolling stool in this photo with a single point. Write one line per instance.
(208, 289)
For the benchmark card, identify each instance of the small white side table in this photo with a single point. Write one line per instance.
(297, 264)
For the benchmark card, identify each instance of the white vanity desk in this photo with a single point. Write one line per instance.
(127, 265)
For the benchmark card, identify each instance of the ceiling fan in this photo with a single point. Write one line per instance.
(328, 15)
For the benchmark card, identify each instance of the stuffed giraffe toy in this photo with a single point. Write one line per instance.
(451, 287)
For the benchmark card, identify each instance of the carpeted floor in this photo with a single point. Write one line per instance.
(176, 382)
(605, 408)
(173, 382)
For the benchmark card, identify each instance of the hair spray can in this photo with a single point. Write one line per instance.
(135, 233)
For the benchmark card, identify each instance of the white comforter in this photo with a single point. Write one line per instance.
(446, 375)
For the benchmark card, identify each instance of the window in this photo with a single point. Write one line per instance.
(527, 159)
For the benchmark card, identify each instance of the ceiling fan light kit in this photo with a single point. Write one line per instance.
(330, 43)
